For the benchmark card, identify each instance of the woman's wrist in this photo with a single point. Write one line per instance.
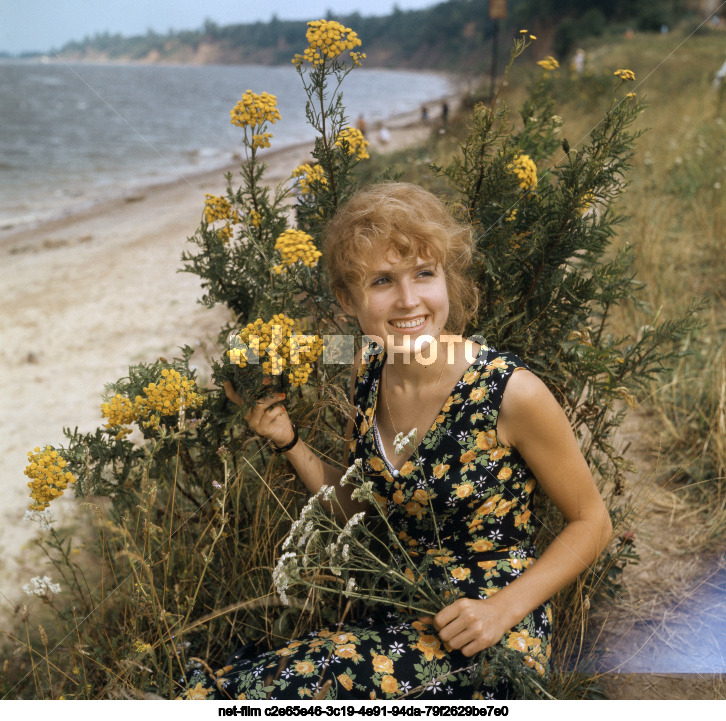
(285, 447)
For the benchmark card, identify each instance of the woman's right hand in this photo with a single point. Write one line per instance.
(267, 418)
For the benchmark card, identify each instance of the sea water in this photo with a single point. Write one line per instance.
(72, 135)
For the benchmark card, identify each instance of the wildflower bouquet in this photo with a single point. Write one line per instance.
(363, 558)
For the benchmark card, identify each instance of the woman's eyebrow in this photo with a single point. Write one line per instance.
(392, 270)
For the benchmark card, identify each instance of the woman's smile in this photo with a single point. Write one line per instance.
(412, 325)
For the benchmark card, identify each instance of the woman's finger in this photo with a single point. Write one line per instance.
(232, 394)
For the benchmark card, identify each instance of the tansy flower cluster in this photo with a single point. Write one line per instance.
(549, 63)
(217, 208)
(525, 169)
(279, 346)
(624, 74)
(254, 110)
(169, 396)
(586, 202)
(294, 246)
(357, 144)
(327, 39)
(261, 140)
(307, 174)
(48, 480)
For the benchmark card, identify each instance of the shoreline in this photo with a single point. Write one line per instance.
(86, 296)
(205, 177)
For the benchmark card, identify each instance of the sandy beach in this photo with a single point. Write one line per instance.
(83, 298)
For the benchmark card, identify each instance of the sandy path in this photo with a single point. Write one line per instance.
(83, 298)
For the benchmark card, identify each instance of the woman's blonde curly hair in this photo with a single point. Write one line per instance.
(415, 224)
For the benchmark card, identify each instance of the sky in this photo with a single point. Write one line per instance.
(43, 25)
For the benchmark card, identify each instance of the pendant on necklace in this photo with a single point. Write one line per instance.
(395, 473)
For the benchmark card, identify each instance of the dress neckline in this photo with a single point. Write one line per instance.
(378, 441)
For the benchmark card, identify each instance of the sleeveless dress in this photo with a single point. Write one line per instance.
(481, 496)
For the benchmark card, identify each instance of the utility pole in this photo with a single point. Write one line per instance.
(497, 12)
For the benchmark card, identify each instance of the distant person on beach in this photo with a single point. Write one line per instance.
(718, 85)
(444, 113)
(384, 135)
(424, 114)
(485, 432)
(362, 125)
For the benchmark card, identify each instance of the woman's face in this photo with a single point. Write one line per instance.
(401, 304)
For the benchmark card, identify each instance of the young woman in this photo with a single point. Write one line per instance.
(488, 432)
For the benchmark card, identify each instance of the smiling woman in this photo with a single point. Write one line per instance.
(490, 432)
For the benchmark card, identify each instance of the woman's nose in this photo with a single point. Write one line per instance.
(406, 294)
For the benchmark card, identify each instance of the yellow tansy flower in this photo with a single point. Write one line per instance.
(254, 110)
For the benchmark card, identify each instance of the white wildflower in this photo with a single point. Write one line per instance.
(350, 586)
(42, 518)
(313, 542)
(352, 471)
(346, 552)
(401, 441)
(291, 535)
(282, 577)
(38, 586)
(364, 492)
(327, 492)
(353, 521)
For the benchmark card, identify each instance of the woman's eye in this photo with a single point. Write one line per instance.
(427, 273)
(380, 281)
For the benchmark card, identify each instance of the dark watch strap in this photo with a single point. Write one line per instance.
(290, 445)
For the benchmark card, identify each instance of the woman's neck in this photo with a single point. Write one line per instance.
(410, 372)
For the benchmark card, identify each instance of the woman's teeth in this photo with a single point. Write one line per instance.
(408, 323)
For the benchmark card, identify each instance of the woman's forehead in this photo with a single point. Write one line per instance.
(382, 255)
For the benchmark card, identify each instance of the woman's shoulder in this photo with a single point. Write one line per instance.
(504, 361)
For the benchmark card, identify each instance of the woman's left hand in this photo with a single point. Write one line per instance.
(470, 625)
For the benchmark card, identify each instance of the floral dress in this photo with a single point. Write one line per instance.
(480, 494)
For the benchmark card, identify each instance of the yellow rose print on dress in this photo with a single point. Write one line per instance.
(382, 664)
(461, 573)
(345, 681)
(486, 440)
(464, 490)
(347, 650)
(389, 684)
(429, 646)
(441, 469)
(304, 668)
(407, 467)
